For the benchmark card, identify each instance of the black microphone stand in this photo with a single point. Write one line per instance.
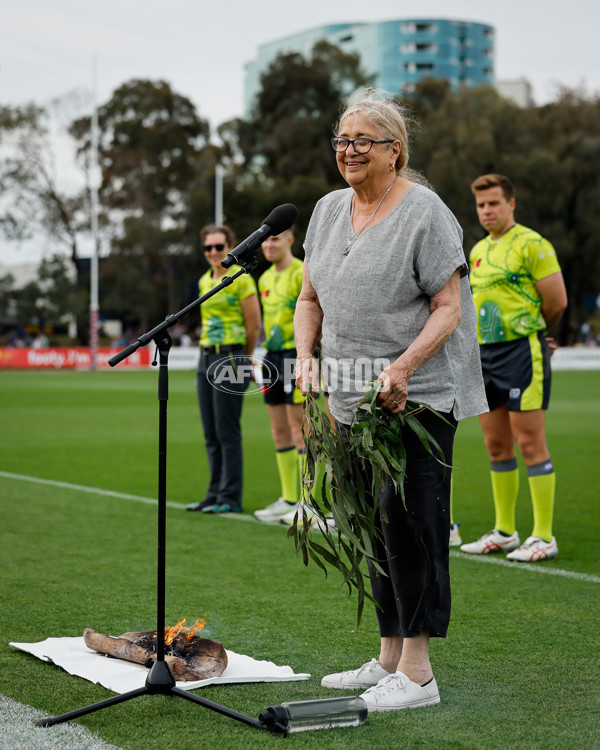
(160, 679)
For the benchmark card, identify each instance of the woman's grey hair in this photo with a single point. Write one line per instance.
(390, 120)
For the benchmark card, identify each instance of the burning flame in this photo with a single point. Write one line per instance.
(182, 629)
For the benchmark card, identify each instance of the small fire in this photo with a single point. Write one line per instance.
(182, 629)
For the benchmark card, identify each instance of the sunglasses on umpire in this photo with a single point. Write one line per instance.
(219, 248)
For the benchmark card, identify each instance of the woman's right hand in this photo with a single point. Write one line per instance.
(394, 386)
(307, 374)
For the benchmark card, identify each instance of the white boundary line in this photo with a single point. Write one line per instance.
(82, 488)
(108, 493)
(531, 567)
(486, 559)
(18, 730)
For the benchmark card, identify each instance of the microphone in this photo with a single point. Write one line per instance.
(280, 219)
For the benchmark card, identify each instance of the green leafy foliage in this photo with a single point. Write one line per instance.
(355, 468)
(157, 171)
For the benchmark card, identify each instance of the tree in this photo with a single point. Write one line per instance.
(288, 133)
(551, 154)
(152, 143)
(149, 139)
(53, 300)
(461, 135)
(32, 201)
(296, 111)
(282, 152)
(7, 302)
(65, 299)
(561, 180)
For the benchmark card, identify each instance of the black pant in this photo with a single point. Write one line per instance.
(415, 596)
(221, 412)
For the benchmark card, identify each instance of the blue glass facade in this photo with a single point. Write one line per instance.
(399, 53)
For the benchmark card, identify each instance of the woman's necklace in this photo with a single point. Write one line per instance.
(352, 240)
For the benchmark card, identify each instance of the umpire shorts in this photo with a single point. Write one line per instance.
(283, 389)
(516, 374)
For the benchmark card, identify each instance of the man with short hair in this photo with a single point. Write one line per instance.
(519, 295)
(279, 287)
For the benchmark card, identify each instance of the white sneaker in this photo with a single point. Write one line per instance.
(534, 549)
(288, 518)
(397, 691)
(276, 510)
(364, 677)
(493, 541)
(455, 540)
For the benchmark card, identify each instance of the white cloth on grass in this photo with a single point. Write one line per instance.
(72, 655)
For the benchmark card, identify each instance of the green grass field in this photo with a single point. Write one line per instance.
(519, 668)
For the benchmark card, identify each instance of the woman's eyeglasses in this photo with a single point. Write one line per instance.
(361, 145)
(219, 248)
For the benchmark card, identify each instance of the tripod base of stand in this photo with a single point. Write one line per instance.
(160, 681)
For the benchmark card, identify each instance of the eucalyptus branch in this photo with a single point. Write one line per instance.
(343, 476)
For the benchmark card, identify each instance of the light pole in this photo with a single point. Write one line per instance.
(94, 304)
(219, 172)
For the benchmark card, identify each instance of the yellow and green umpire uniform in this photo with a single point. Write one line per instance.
(515, 358)
(279, 292)
(510, 326)
(223, 349)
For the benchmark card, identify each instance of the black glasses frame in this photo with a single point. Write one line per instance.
(219, 247)
(337, 139)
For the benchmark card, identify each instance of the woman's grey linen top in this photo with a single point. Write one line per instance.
(376, 300)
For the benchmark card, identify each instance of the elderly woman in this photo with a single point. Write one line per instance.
(230, 329)
(385, 282)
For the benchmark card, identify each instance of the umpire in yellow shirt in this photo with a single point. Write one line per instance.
(279, 287)
(519, 294)
(230, 330)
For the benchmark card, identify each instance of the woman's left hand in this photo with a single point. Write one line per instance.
(394, 391)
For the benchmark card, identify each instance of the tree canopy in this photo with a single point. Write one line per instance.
(31, 200)
(152, 150)
(281, 153)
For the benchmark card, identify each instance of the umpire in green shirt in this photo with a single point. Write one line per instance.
(279, 287)
(230, 330)
(519, 294)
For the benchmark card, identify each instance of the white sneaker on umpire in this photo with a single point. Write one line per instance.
(364, 677)
(288, 518)
(455, 540)
(493, 541)
(398, 691)
(534, 549)
(276, 510)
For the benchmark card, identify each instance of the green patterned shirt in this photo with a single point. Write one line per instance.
(222, 317)
(503, 277)
(278, 295)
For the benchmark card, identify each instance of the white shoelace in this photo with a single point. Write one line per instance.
(389, 684)
(370, 666)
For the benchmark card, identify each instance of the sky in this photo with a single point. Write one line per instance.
(49, 49)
